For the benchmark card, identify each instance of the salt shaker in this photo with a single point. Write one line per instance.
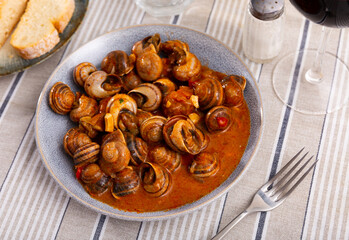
(263, 30)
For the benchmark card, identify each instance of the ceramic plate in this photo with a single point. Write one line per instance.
(51, 127)
(11, 62)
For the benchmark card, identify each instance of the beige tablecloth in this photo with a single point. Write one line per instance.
(33, 206)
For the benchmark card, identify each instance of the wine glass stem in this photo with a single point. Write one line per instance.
(314, 74)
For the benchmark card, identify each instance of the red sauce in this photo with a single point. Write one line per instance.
(229, 147)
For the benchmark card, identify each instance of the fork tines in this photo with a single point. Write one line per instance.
(283, 183)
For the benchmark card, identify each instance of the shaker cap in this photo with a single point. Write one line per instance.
(267, 9)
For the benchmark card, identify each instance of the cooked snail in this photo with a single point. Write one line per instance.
(125, 182)
(118, 103)
(233, 90)
(151, 129)
(167, 158)
(131, 80)
(218, 119)
(85, 106)
(149, 66)
(128, 122)
(155, 179)
(150, 43)
(182, 136)
(101, 85)
(74, 139)
(61, 98)
(204, 165)
(92, 125)
(148, 96)
(165, 85)
(138, 149)
(82, 71)
(96, 181)
(115, 156)
(87, 153)
(210, 93)
(118, 62)
(142, 116)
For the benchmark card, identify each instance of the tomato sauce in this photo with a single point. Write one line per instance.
(184, 188)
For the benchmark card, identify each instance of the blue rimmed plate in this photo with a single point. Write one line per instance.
(51, 127)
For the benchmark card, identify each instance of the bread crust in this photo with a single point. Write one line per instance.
(39, 48)
(50, 39)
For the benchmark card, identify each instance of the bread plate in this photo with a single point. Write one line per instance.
(11, 62)
(51, 127)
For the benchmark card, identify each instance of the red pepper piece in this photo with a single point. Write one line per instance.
(78, 173)
(222, 122)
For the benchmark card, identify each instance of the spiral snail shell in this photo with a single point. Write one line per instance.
(204, 165)
(156, 180)
(61, 98)
(167, 158)
(125, 182)
(96, 182)
(82, 71)
(87, 153)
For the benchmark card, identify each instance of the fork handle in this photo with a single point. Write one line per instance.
(230, 225)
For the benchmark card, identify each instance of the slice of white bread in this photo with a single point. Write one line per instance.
(37, 31)
(10, 13)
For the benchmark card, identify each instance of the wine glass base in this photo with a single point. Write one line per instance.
(327, 96)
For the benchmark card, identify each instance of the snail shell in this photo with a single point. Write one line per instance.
(150, 43)
(96, 182)
(128, 122)
(131, 80)
(149, 66)
(85, 106)
(118, 62)
(233, 90)
(156, 180)
(182, 136)
(165, 85)
(74, 139)
(101, 85)
(115, 156)
(218, 119)
(82, 71)
(125, 182)
(210, 93)
(142, 116)
(138, 149)
(113, 136)
(148, 95)
(167, 158)
(118, 103)
(152, 128)
(61, 98)
(87, 153)
(190, 68)
(204, 165)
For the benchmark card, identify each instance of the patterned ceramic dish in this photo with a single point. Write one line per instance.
(11, 62)
(51, 127)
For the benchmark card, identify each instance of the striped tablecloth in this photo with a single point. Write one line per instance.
(33, 206)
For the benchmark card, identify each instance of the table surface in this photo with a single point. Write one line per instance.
(33, 206)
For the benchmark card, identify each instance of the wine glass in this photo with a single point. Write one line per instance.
(319, 81)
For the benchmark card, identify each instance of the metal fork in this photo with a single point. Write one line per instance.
(274, 192)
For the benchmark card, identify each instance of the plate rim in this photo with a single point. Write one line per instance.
(164, 216)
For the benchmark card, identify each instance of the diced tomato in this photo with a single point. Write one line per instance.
(222, 121)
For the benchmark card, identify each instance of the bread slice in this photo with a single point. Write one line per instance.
(37, 31)
(10, 13)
